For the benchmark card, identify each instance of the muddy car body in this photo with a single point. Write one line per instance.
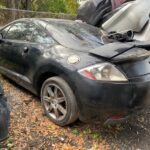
(74, 73)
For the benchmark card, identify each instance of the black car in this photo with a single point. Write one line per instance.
(73, 71)
(4, 116)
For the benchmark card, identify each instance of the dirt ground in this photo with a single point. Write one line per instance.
(30, 129)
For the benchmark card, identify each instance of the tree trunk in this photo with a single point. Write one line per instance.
(8, 3)
(28, 4)
(13, 6)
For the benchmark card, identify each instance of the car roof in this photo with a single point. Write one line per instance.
(37, 20)
(44, 19)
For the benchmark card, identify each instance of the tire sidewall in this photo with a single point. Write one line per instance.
(70, 100)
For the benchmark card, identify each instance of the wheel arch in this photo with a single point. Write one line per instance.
(45, 74)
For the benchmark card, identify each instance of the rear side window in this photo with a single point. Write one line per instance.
(42, 37)
(20, 31)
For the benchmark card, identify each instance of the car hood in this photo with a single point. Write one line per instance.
(122, 51)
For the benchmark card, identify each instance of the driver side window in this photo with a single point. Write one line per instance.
(4, 31)
(42, 37)
(20, 31)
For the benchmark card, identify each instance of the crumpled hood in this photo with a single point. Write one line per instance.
(122, 51)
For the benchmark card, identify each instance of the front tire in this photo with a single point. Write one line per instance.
(59, 101)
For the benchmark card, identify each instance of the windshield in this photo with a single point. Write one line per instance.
(75, 35)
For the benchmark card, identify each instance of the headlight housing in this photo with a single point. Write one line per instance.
(103, 72)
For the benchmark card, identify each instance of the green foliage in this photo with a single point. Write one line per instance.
(75, 131)
(71, 6)
(56, 6)
(1, 6)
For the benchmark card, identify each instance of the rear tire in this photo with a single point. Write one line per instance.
(58, 101)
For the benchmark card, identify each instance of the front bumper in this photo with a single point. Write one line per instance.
(101, 101)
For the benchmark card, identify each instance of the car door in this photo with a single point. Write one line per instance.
(39, 43)
(14, 46)
(2, 45)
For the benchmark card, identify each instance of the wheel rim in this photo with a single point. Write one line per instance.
(54, 101)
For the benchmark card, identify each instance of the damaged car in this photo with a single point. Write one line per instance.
(4, 116)
(73, 71)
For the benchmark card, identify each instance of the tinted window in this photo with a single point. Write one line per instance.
(20, 31)
(42, 37)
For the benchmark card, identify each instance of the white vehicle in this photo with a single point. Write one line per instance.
(133, 16)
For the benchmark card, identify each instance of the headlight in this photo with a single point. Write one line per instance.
(103, 72)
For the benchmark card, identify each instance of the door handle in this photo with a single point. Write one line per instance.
(25, 49)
